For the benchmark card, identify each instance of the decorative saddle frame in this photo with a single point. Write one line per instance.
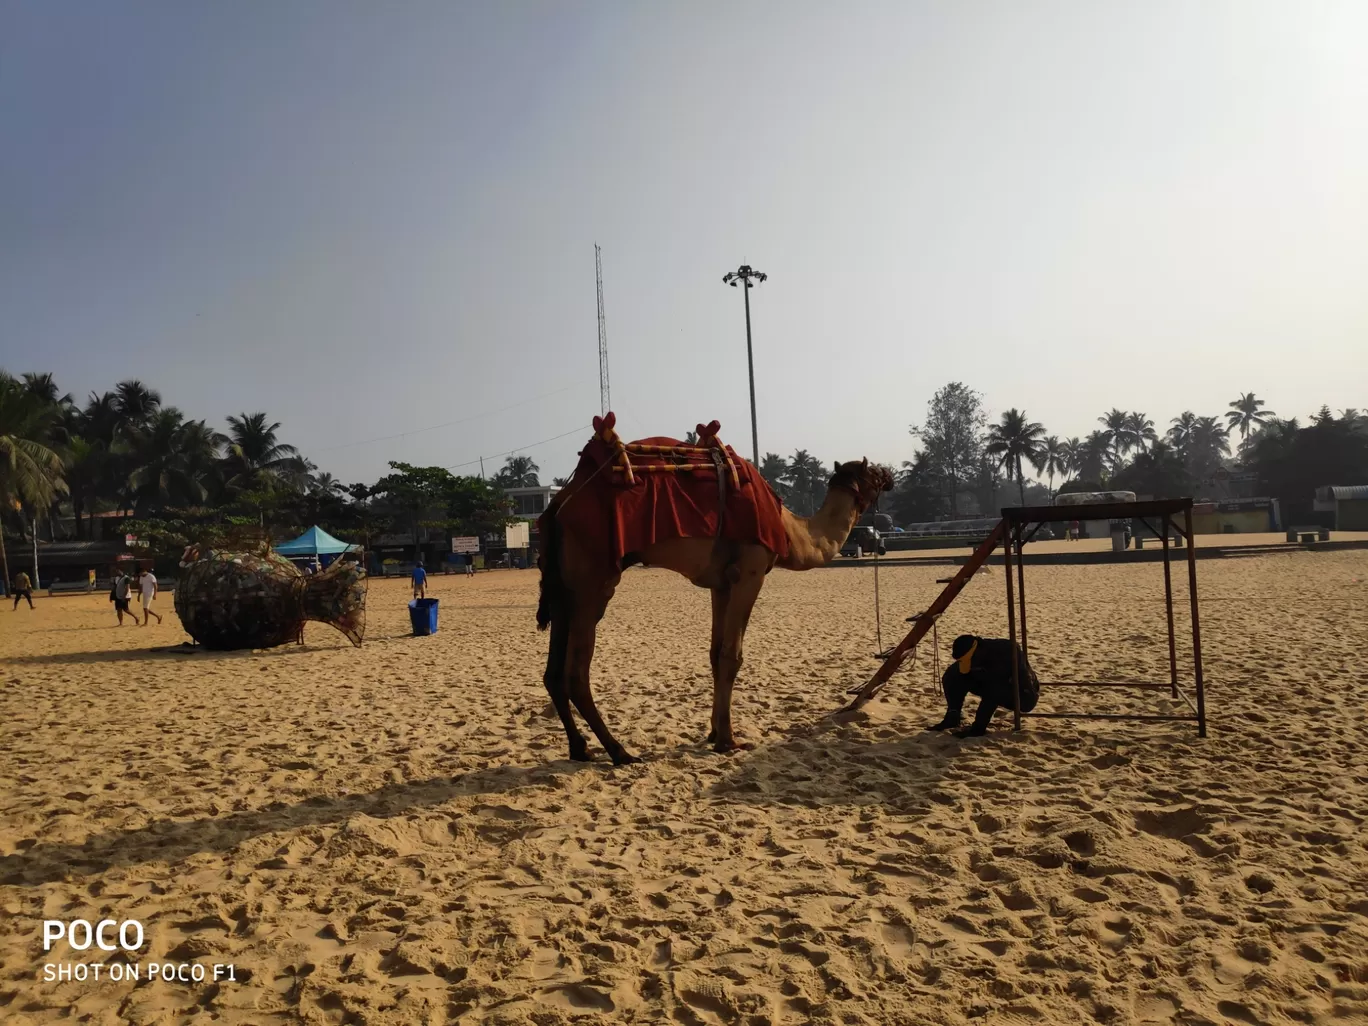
(707, 458)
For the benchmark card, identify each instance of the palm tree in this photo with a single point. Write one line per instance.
(43, 388)
(560, 482)
(30, 472)
(1119, 441)
(1180, 434)
(1054, 459)
(1096, 457)
(100, 418)
(805, 477)
(1246, 412)
(1075, 449)
(170, 459)
(774, 469)
(690, 437)
(135, 403)
(1139, 430)
(325, 484)
(518, 472)
(255, 458)
(1207, 444)
(1011, 440)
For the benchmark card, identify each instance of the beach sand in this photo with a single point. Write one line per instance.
(393, 834)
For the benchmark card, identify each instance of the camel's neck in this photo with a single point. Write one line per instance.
(816, 540)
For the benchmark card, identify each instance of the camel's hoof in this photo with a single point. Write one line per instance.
(711, 738)
(723, 747)
(625, 759)
(581, 755)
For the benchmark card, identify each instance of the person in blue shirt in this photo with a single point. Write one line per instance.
(419, 581)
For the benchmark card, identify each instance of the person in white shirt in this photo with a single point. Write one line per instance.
(147, 584)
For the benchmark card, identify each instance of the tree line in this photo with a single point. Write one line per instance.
(176, 479)
(965, 466)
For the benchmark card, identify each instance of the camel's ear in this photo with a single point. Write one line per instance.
(598, 424)
(864, 462)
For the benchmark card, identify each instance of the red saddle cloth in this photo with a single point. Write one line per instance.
(670, 491)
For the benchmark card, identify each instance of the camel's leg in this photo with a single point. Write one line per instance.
(719, 611)
(583, 627)
(554, 680)
(737, 604)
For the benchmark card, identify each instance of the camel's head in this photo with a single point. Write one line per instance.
(864, 480)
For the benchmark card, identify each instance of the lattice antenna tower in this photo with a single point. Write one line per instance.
(603, 333)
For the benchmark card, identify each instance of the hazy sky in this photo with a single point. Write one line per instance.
(374, 218)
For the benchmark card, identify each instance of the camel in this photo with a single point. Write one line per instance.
(577, 585)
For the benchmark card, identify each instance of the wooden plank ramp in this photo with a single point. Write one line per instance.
(922, 622)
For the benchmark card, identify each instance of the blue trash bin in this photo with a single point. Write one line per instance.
(423, 614)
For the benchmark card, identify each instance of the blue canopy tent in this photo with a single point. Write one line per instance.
(315, 542)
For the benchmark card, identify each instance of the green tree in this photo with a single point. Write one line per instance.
(806, 478)
(774, 469)
(1206, 449)
(30, 472)
(1139, 431)
(1074, 450)
(255, 459)
(1013, 439)
(1181, 433)
(952, 436)
(1159, 472)
(919, 496)
(1118, 439)
(135, 403)
(1291, 462)
(170, 460)
(1096, 457)
(1054, 459)
(1246, 413)
(518, 472)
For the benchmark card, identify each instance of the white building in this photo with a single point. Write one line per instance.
(530, 502)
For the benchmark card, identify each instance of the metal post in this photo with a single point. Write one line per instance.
(746, 276)
(1196, 629)
(1021, 590)
(1011, 631)
(1168, 609)
(750, 368)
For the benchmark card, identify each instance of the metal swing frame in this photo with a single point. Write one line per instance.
(1011, 533)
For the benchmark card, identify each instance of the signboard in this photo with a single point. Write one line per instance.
(516, 536)
(465, 544)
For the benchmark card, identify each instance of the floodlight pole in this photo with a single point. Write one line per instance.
(745, 273)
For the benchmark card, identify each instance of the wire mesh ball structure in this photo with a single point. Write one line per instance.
(236, 600)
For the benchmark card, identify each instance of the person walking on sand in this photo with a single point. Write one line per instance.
(147, 585)
(119, 594)
(419, 580)
(23, 588)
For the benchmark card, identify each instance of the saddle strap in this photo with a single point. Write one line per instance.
(717, 459)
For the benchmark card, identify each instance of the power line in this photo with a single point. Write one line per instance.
(520, 448)
(451, 423)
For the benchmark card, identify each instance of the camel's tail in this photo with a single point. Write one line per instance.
(548, 561)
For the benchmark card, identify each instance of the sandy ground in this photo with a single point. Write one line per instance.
(1204, 541)
(393, 835)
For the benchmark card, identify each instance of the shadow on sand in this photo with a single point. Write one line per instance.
(174, 840)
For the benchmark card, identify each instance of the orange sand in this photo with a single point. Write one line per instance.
(392, 835)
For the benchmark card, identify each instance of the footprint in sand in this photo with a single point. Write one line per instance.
(578, 997)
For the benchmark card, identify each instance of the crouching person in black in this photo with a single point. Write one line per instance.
(983, 666)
